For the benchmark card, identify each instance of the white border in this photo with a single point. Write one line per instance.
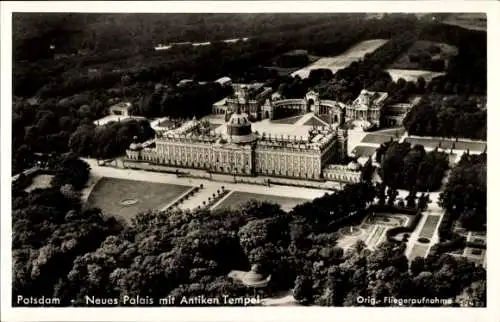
(249, 314)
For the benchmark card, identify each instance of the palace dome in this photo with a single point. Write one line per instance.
(239, 128)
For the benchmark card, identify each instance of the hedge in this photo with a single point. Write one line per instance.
(405, 229)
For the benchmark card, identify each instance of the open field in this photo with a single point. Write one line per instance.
(41, 181)
(423, 47)
(412, 75)
(237, 198)
(355, 53)
(125, 198)
(431, 143)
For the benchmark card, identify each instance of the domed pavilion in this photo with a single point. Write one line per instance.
(239, 128)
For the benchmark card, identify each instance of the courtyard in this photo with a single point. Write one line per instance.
(126, 198)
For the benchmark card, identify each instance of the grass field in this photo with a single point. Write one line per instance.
(109, 193)
(430, 226)
(237, 198)
(343, 60)
(447, 143)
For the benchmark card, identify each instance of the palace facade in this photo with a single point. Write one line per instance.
(241, 151)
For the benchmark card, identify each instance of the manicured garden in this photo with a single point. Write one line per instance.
(238, 198)
(125, 198)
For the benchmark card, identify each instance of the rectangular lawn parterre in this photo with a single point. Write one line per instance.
(377, 138)
(237, 198)
(477, 146)
(109, 194)
(430, 225)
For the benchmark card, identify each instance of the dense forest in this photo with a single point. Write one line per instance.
(458, 116)
(464, 195)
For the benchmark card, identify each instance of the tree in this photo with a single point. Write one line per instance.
(367, 171)
(71, 170)
(302, 291)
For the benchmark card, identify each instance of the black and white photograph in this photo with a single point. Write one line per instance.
(246, 159)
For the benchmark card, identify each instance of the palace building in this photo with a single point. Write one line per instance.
(369, 109)
(237, 149)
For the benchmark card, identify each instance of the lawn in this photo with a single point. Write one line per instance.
(430, 226)
(377, 138)
(237, 198)
(125, 198)
(355, 53)
(447, 143)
